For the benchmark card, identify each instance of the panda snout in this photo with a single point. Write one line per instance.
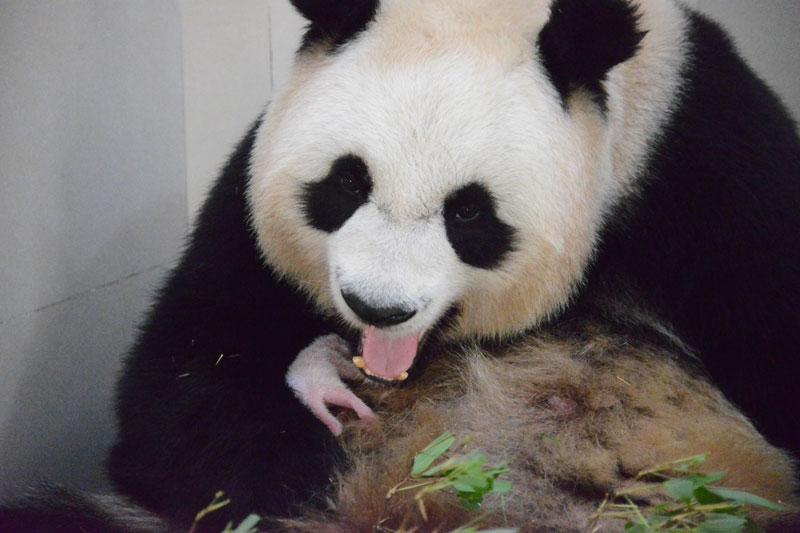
(376, 315)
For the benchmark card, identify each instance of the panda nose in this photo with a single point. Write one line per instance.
(377, 316)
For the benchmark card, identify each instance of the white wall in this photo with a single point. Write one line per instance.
(235, 55)
(287, 29)
(115, 115)
(92, 207)
(227, 82)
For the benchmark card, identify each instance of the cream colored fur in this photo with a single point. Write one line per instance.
(438, 94)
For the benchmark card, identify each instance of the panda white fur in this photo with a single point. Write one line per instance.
(552, 225)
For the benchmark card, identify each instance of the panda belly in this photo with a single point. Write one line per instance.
(581, 415)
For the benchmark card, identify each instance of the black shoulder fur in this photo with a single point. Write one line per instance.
(203, 405)
(711, 241)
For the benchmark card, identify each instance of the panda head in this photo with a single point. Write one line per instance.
(435, 158)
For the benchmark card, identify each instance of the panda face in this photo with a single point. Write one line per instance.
(431, 164)
(417, 186)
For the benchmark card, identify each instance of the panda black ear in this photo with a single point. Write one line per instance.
(335, 20)
(584, 39)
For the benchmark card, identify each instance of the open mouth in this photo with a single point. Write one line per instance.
(387, 357)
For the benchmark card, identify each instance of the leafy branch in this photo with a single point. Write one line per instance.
(696, 504)
(469, 476)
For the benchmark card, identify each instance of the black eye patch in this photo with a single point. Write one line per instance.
(479, 238)
(327, 204)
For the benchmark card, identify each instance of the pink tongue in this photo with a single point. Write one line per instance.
(388, 357)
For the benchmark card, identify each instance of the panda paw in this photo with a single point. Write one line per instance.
(315, 377)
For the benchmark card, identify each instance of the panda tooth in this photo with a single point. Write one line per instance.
(360, 364)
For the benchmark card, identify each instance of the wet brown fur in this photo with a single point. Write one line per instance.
(574, 419)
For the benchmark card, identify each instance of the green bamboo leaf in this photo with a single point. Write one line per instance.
(463, 487)
(498, 471)
(475, 480)
(717, 523)
(700, 480)
(685, 465)
(432, 452)
(443, 469)
(744, 498)
(683, 489)
(636, 528)
(680, 489)
(706, 497)
(455, 466)
(248, 525)
(470, 500)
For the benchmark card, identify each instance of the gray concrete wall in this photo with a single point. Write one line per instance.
(114, 117)
(227, 81)
(92, 209)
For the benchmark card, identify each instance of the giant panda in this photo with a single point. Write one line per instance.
(568, 229)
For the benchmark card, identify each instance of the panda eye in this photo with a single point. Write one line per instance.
(352, 185)
(478, 236)
(329, 202)
(468, 213)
